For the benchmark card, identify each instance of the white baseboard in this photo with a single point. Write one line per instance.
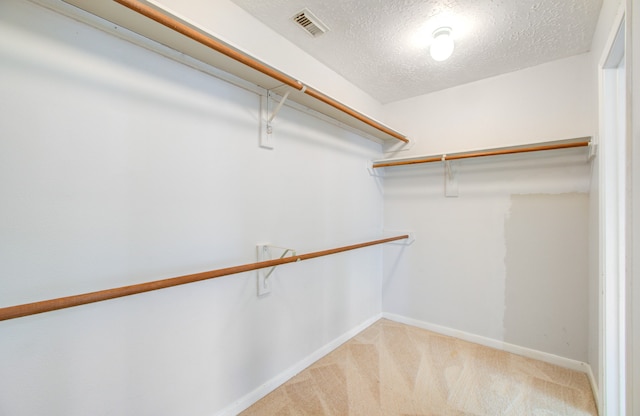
(257, 394)
(493, 343)
(594, 387)
(505, 346)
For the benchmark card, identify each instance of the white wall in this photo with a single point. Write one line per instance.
(477, 257)
(553, 101)
(118, 166)
(469, 270)
(546, 239)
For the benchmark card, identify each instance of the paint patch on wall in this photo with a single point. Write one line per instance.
(546, 291)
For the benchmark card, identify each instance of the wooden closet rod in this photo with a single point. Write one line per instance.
(27, 309)
(482, 153)
(232, 53)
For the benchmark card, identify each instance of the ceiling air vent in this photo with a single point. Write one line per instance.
(311, 24)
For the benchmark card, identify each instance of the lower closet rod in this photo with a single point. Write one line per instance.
(27, 309)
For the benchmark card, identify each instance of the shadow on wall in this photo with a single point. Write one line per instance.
(546, 291)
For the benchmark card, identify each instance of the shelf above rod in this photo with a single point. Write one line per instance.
(580, 142)
(155, 23)
(27, 309)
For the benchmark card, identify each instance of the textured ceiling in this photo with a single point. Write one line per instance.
(382, 45)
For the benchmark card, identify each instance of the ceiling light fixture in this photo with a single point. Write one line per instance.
(442, 45)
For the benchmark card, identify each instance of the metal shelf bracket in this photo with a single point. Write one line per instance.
(265, 254)
(450, 181)
(267, 116)
(593, 151)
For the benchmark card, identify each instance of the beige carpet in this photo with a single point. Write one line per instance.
(394, 369)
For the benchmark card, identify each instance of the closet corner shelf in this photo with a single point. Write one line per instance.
(156, 24)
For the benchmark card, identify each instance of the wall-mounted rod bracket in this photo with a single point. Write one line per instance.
(450, 181)
(264, 254)
(393, 148)
(293, 254)
(593, 151)
(377, 173)
(411, 237)
(278, 107)
(267, 116)
(266, 131)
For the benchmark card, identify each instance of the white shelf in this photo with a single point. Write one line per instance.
(138, 23)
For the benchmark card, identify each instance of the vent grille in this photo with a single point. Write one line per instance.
(310, 23)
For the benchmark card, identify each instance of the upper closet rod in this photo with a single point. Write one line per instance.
(490, 152)
(230, 52)
(83, 299)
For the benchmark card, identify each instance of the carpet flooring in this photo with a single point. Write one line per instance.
(394, 369)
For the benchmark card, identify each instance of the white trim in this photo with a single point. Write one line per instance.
(633, 277)
(494, 343)
(617, 21)
(272, 384)
(612, 205)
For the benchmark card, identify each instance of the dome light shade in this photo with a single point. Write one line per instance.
(442, 45)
